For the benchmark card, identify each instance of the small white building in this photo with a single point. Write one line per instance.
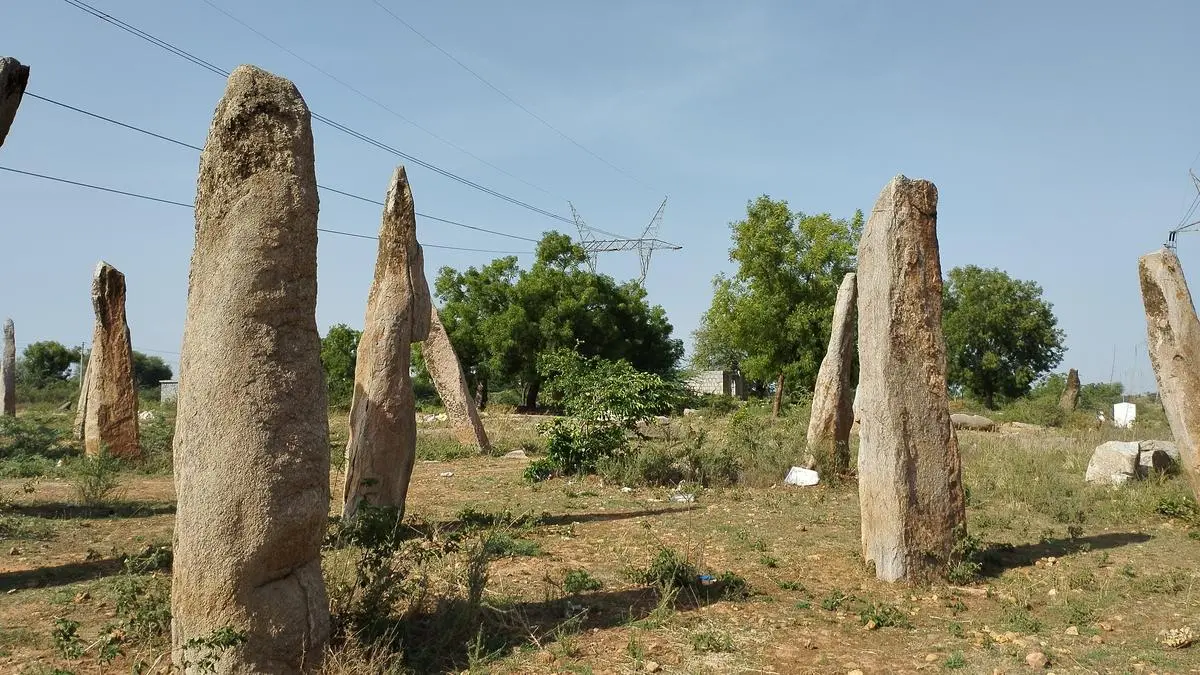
(718, 382)
(168, 390)
(1124, 414)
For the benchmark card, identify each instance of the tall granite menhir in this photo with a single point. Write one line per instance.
(107, 415)
(909, 472)
(1173, 339)
(252, 432)
(451, 384)
(13, 79)
(1069, 400)
(832, 406)
(8, 371)
(383, 426)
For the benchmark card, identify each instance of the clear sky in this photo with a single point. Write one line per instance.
(1059, 135)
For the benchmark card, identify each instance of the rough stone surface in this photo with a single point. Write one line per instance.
(832, 405)
(910, 475)
(451, 384)
(252, 433)
(108, 402)
(972, 422)
(1167, 447)
(13, 79)
(1113, 463)
(8, 371)
(1070, 396)
(1153, 461)
(1173, 336)
(383, 433)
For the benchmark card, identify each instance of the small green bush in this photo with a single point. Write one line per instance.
(580, 581)
(95, 479)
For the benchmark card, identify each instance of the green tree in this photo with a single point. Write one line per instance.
(339, 354)
(771, 318)
(46, 362)
(500, 318)
(1001, 336)
(149, 370)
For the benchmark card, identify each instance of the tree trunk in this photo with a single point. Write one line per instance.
(481, 394)
(531, 395)
(778, 396)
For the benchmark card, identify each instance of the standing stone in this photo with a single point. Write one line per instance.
(909, 471)
(252, 433)
(8, 371)
(383, 427)
(1173, 336)
(832, 405)
(1070, 396)
(13, 79)
(451, 384)
(108, 401)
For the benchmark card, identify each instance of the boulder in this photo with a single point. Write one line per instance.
(972, 422)
(1113, 463)
(1167, 447)
(251, 450)
(832, 405)
(909, 470)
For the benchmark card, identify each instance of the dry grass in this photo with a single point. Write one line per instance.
(1114, 565)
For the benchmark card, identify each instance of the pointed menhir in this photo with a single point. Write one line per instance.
(106, 418)
(1070, 396)
(13, 79)
(383, 427)
(252, 431)
(1173, 336)
(832, 406)
(452, 387)
(909, 471)
(8, 371)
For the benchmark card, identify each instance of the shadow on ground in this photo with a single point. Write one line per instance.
(60, 575)
(67, 511)
(1000, 557)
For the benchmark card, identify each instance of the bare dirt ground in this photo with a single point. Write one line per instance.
(1090, 577)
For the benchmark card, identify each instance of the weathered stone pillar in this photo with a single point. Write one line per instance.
(108, 401)
(1173, 339)
(8, 371)
(252, 432)
(13, 79)
(1070, 396)
(909, 473)
(832, 405)
(451, 383)
(383, 426)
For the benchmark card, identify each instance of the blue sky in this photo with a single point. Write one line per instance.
(1059, 135)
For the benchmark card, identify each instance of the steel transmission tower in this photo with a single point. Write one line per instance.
(645, 245)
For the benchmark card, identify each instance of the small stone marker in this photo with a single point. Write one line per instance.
(252, 432)
(832, 405)
(1173, 339)
(910, 482)
(13, 79)
(383, 432)
(107, 416)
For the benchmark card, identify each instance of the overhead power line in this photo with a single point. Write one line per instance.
(176, 141)
(137, 32)
(138, 195)
(371, 99)
(509, 98)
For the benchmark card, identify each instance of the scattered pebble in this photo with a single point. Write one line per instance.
(651, 667)
(855, 672)
(930, 658)
(1036, 660)
(446, 474)
(515, 454)
(1177, 638)
(14, 551)
(1073, 630)
(82, 597)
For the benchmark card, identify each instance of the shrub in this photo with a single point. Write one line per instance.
(580, 581)
(883, 616)
(30, 436)
(95, 479)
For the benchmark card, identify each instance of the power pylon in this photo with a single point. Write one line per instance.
(1184, 225)
(645, 245)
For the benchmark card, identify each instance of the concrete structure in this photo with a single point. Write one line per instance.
(718, 382)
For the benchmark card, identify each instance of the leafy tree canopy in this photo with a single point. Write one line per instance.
(339, 354)
(501, 318)
(45, 362)
(771, 319)
(149, 370)
(1001, 336)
